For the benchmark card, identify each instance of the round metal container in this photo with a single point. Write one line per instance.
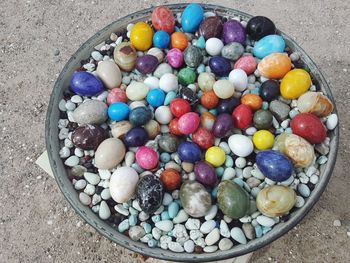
(66, 187)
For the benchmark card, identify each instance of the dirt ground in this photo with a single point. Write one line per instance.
(37, 224)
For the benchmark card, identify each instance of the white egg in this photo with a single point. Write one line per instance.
(213, 46)
(239, 79)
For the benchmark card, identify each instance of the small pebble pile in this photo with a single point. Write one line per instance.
(194, 132)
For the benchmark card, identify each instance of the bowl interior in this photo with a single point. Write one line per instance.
(66, 187)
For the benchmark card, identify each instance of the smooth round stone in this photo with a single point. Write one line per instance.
(163, 19)
(168, 143)
(188, 123)
(304, 190)
(279, 109)
(135, 137)
(232, 51)
(274, 165)
(225, 244)
(193, 56)
(149, 193)
(88, 137)
(239, 79)
(195, 199)
(260, 26)
(179, 107)
(162, 69)
(109, 153)
(137, 91)
(170, 179)
(227, 105)
(242, 116)
(118, 111)
(140, 116)
(215, 156)
(206, 81)
(116, 95)
(240, 145)
(332, 121)
(213, 46)
(109, 73)
(85, 84)
(189, 246)
(191, 18)
(175, 57)
(163, 115)
(152, 128)
(203, 138)
(212, 237)
(223, 88)
(91, 112)
(141, 36)
(120, 128)
(168, 82)
(295, 83)
(269, 90)
(211, 27)
(125, 56)
(275, 66)
(205, 173)
(246, 63)
(220, 66)
(275, 200)
(161, 39)
(263, 140)
(297, 149)
(268, 45)
(189, 152)
(146, 157)
(146, 64)
(316, 103)
(262, 119)
(238, 235)
(233, 201)
(222, 125)
(123, 183)
(309, 127)
(155, 97)
(233, 31)
(186, 76)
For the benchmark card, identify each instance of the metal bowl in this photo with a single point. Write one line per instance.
(61, 176)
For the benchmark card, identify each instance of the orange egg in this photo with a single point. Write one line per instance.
(275, 66)
(207, 120)
(174, 127)
(170, 179)
(253, 101)
(209, 99)
(178, 40)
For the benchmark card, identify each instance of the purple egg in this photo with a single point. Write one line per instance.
(146, 64)
(220, 66)
(222, 125)
(205, 173)
(135, 137)
(233, 31)
(227, 105)
(85, 84)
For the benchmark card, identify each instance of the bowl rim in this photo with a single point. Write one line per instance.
(60, 173)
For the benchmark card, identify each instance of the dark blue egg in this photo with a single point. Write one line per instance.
(222, 125)
(135, 137)
(220, 66)
(189, 152)
(227, 105)
(191, 18)
(140, 116)
(85, 84)
(274, 165)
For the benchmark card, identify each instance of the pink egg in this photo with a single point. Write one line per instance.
(116, 95)
(246, 63)
(175, 57)
(188, 123)
(146, 157)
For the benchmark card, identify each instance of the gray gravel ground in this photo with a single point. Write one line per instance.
(37, 224)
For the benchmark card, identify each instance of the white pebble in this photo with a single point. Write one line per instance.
(92, 178)
(89, 189)
(224, 230)
(72, 161)
(265, 221)
(78, 152)
(225, 147)
(229, 173)
(175, 247)
(189, 246)
(70, 106)
(212, 213)
(212, 237)
(225, 244)
(64, 152)
(96, 55)
(156, 233)
(84, 198)
(299, 201)
(181, 217)
(96, 199)
(210, 249)
(121, 209)
(104, 212)
(80, 184)
(106, 194)
(332, 121)
(167, 199)
(240, 162)
(165, 225)
(314, 179)
(207, 226)
(337, 223)
(238, 235)
(104, 174)
(250, 131)
(192, 224)
(76, 99)
(304, 190)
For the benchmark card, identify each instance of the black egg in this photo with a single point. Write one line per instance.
(188, 94)
(227, 105)
(149, 193)
(269, 90)
(260, 26)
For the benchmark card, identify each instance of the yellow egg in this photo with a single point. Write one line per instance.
(295, 83)
(263, 140)
(215, 156)
(141, 36)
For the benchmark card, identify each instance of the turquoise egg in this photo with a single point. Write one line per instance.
(118, 111)
(169, 97)
(155, 97)
(191, 18)
(161, 39)
(268, 45)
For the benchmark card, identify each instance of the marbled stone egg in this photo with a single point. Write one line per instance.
(91, 112)
(123, 183)
(88, 137)
(125, 56)
(149, 193)
(195, 199)
(109, 153)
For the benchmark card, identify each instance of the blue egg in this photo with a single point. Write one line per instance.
(85, 84)
(169, 97)
(155, 97)
(268, 45)
(189, 152)
(274, 165)
(118, 111)
(140, 116)
(191, 18)
(161, 39)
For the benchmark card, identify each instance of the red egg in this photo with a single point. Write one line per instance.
(170, 179)
(246, 63)
(179, 107)
(309, 127)
(116, 95)
(203, 137)
(242, 116)
(163, 19)
(174, 127)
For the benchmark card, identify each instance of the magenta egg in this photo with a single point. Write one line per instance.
(146, 157)
(205, 173)
(175, 57)
(188, 123)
